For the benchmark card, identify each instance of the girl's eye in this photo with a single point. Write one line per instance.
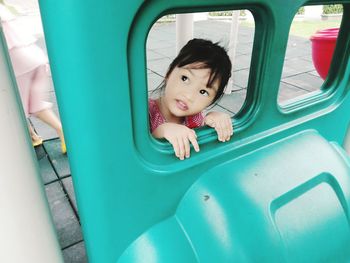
(204, 92)
(184, 78)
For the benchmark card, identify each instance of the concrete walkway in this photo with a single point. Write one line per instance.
(299, 77)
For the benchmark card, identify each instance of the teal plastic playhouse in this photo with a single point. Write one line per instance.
(279, 191)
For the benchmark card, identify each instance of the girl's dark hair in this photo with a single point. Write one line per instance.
(205, 54)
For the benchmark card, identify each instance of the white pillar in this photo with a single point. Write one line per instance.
(313, 12)
(233, 47)
(26, 229)
(200, 16)
(184, 30)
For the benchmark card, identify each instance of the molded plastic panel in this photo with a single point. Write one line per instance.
(268, 202)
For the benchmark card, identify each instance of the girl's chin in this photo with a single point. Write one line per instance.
(178, 115)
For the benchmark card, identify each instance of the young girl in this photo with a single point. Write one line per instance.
(195, 80)
(30, 66)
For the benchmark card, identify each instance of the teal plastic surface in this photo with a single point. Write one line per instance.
(277, 192)
(268, 206)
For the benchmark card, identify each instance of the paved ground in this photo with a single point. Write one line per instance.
(299, 77)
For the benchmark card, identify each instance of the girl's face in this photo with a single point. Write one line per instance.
(186, 92)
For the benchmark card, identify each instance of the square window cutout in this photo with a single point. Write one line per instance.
(312, 39)
(233, 30)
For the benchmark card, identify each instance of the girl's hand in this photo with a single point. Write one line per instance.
(221, 122)
(179, 136)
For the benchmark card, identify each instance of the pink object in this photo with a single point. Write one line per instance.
(323, 44)
(29, 63)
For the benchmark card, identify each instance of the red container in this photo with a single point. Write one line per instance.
(323, 44)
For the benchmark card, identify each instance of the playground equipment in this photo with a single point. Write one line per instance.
(27, 231)
(278, 192)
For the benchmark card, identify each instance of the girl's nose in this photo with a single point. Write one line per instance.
(189, 94)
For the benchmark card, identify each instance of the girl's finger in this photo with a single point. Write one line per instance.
(218, 132)
(218, 129)
(176, 148)
(181, 148)
(187, 146)
(230, 126)
(224, 130)
(194, 142)
(193, 133)
(227, 130)
(230, 129)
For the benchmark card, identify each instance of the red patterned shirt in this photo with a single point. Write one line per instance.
(156, 118)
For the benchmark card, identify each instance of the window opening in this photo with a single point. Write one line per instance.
(217, 27)
(311, 42)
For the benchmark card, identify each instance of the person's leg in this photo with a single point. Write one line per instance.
(50, 118)
(36, 139)
(42, 109)
(24, 85)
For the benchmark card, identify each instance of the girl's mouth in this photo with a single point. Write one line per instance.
(181, 105)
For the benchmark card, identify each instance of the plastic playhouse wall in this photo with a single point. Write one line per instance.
(277, 192)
